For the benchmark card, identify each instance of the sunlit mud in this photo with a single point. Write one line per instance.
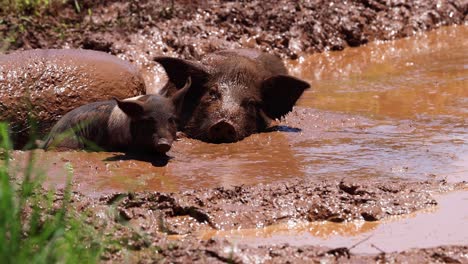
(431, 227)
(413, 78)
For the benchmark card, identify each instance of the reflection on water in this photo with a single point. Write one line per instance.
(442, 225)
(390, 110)
(414, 91)
(418, 77)
(193, 164)
(281, 233)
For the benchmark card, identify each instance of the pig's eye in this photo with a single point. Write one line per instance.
(214, 94)
(250, 104)
(172, 120)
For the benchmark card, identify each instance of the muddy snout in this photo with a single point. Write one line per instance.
(222, 132)
(163, 145)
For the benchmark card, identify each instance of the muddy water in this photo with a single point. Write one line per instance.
(414, 90)
(386, 110)
(431, 227)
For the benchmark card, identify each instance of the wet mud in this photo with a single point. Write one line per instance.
(193, 28)
(200, 225)
(343, 128)
(417, 230)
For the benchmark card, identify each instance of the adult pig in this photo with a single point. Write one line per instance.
(234, 93)
(46, 84)
(146, 123)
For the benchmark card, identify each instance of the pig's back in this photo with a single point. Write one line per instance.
(89, 122)
(271, 63)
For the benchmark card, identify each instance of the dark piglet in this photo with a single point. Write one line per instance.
(234, 93)
(146, 123)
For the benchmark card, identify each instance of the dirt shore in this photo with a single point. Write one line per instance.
(190, 29)
(149, 226)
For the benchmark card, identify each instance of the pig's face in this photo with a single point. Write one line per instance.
(231, 99)
(230, 108)
(153, 120)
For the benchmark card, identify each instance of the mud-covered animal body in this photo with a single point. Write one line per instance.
(45, 84)
(146, 123)
(234, 93)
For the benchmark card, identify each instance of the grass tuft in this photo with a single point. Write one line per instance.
(34, 227)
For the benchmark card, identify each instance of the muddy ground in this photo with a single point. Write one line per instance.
(192, 28)
(151, 226)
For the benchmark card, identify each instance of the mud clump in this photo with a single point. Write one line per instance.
(264, 205)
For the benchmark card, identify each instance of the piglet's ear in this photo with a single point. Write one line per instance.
(131, 107)
(280, 93)
(179, 70)
(178, 97)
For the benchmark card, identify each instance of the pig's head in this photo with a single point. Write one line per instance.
(232, 99)
(153, 120)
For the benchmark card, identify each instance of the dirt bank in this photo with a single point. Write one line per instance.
(192, 28)
(142, 225)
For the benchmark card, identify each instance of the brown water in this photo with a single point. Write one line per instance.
(414, 90)
(436, 226)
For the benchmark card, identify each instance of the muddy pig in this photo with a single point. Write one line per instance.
(48, 83)
(234, 93)
(145, 123)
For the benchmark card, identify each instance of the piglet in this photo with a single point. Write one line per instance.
(146, 123)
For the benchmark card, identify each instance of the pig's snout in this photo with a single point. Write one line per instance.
(222, 131)
(163, 145)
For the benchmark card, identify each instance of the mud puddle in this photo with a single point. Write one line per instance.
(413, 90)
(388, 110)
(444, 224)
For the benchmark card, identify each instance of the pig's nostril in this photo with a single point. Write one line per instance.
(163, 148)
(222, 132)
(163, 145)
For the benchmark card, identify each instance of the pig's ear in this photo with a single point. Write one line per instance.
(178, 97)
(179, 70)
(280, 93)
(132, 108)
